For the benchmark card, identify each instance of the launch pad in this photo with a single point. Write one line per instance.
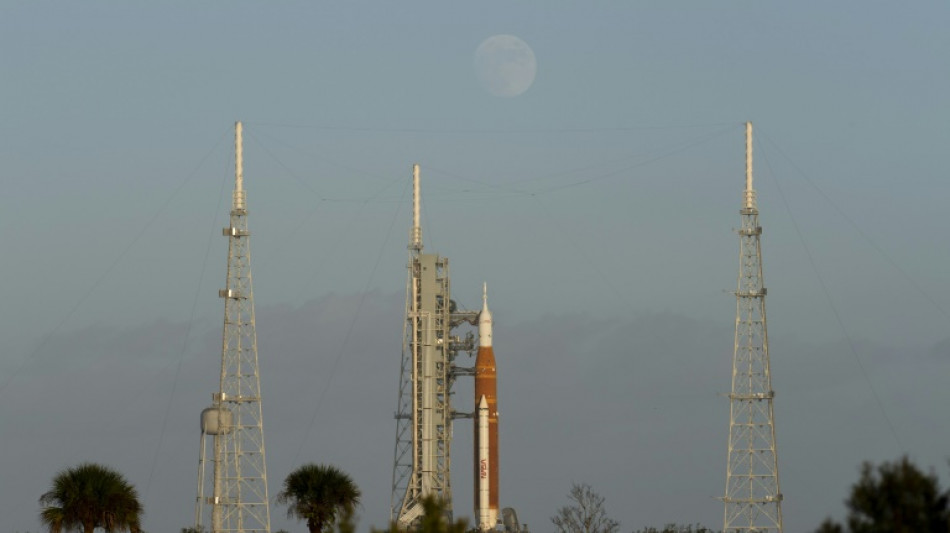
(424, 416)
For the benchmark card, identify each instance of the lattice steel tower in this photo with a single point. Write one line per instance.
(424, 414)
(238, 502)
(753, 501)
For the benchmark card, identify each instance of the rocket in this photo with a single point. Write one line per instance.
(486, 423)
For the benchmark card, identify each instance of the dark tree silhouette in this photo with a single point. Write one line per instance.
(319, 494)
(585, 514)
(433, 520)
(91, 496)
(894, 498)
(829, 526)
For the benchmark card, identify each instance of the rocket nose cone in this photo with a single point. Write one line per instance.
(485, 314)
(485, 321)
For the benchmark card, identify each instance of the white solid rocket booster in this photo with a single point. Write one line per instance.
(484, 512)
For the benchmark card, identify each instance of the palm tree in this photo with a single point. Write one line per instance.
(90, 496)
(318, 493)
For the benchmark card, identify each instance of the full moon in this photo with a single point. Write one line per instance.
(505, 65)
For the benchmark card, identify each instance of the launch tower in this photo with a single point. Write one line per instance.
(424, 415)
(238, 502)
(753, 501)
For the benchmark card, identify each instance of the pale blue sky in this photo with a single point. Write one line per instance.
(605, 193)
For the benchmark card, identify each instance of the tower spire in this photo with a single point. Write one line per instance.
(238, 202)
(239, 502)
(749, 191)
(753, 500)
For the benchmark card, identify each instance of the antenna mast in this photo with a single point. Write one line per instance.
(239, 502)
(415, 234)
(753, 501)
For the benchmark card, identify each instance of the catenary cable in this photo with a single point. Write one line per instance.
(346, 338)
(95, 285)
(187, 336)
(887, 257)
(834, 310)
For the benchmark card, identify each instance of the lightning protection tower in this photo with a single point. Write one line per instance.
(753, 501)
(238, 502)
(421, 461)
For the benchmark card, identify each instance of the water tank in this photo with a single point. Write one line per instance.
(216, 420)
